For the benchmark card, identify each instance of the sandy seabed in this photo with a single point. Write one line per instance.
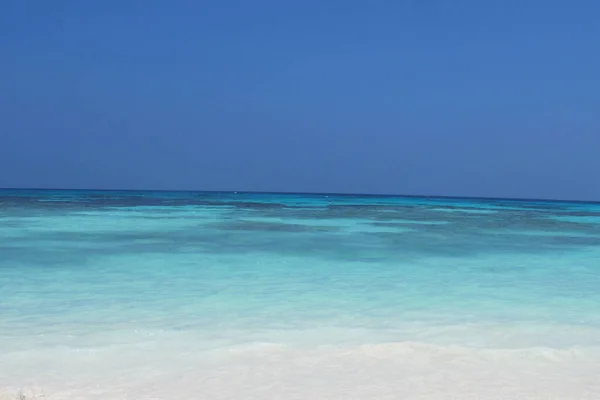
(274, 372)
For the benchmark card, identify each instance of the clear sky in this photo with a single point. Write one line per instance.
(462, 97)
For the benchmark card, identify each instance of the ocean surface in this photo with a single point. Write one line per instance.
(218, 296)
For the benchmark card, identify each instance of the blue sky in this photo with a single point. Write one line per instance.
(458, 98)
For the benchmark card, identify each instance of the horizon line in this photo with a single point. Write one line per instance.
(423, 196)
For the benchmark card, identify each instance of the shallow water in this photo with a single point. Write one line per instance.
(140, 295)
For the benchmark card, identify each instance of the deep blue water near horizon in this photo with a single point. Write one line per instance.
(36, 192)
(167, 277)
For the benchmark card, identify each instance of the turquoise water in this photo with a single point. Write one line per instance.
(142, 294)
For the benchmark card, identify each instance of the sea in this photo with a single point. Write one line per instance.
(255, 296)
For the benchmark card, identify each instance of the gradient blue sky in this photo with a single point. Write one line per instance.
(463, 97)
